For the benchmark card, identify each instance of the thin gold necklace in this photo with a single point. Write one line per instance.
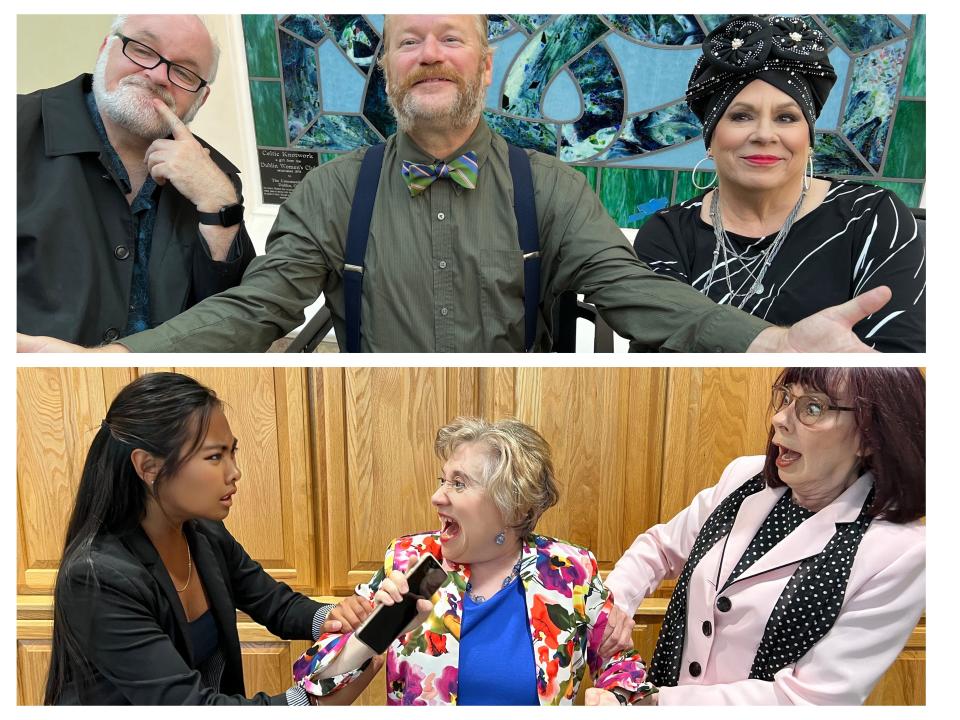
(189, 571)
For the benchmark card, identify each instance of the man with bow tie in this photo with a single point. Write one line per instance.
(443, 270)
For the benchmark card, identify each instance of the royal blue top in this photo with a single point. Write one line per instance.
(496, 651)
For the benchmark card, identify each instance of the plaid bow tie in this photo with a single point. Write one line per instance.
(420, 176)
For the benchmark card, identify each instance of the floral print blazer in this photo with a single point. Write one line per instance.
(567, 607)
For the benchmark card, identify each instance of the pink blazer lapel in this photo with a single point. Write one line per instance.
(812, 535)
(753, 511)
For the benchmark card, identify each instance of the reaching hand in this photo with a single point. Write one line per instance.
(618, 634)
(44, 344)
(350, 612)
(596, 696)
(829, 330)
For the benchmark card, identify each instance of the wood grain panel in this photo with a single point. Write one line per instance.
(713, 415)
(33, 661)
(380, 467)
(59, 410)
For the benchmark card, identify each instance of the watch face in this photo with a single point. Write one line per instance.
(231, 215)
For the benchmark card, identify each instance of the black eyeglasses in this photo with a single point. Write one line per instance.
(146, 57)
(809, 409)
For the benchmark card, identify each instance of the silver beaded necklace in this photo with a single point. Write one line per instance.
(477, 598)
(726, 248)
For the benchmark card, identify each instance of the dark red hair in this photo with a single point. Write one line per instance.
(891, 421)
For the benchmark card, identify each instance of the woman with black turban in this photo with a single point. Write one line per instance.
(771, 238)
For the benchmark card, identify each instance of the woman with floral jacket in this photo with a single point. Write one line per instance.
(519, 616)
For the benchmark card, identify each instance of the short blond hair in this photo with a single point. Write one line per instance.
(519, 472)
(480, 21)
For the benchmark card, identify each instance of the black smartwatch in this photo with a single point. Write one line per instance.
(227, 216)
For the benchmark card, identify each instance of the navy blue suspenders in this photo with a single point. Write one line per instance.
(358, 233)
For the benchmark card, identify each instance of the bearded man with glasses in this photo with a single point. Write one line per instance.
(124, 218)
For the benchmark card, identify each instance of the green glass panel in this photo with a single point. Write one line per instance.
(327, 157)
(907, 156)
(588, 172)
(910, 193)
(915, 77)
(631, 196)
(685, 188)
(268, 113)
(260, 37)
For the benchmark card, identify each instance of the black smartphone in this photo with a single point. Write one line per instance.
(386, 622)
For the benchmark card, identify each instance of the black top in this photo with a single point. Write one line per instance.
(860, 237)
(132, 626)
(205, 638)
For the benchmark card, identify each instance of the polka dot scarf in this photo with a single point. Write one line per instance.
(806, 609)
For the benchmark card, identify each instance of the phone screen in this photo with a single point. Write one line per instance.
(388, 621)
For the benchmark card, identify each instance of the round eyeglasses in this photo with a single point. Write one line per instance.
(148, 58)
(810, 409)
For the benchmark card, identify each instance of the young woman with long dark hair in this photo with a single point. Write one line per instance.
(150, 579)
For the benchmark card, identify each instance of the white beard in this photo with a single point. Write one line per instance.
(129, 104)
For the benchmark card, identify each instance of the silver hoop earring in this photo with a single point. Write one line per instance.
(808, 177)
(693, 177)
(501, 538)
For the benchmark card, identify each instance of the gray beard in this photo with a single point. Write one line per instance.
(125, 106)
(465, 110)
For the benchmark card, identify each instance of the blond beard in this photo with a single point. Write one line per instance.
(464, 110)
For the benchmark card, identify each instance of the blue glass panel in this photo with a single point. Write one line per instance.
(656, 130)
(340, 80)
(300, 83)
(871, 100)
(830, 115)
(712, 21)
(376, 21)
(833, 156)
(907, 20)
(497, 26)
(375, 107)
(355, 36)
(338, 132)
(602, 90)
(530, 22)
(859, 32)
(645, 89)
(562, 99)
(680, 157)
(505, 50)
(542, 57)
(525, 133)
(306, 26)
(659, 29)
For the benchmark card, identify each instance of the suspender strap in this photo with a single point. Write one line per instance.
(525, 209)
(358, 232)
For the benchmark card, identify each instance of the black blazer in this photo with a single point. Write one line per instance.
(74, 258)
(132, 625)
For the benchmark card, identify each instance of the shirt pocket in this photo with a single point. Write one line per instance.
(501, 290)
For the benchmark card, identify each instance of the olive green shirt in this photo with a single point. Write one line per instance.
(443, 270)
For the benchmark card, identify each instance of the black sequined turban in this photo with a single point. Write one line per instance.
(783, 51)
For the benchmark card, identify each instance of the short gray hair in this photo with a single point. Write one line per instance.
(120, 20)
(519, 473)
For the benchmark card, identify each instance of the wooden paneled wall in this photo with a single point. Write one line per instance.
(338, 461)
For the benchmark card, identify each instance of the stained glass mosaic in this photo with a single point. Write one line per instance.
(603, 93)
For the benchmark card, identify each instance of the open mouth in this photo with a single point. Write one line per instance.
(787, 457)
(228, 498)
(449, 528)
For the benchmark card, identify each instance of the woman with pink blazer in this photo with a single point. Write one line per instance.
(800, 575)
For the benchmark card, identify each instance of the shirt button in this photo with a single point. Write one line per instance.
(111, 334)
(444, 311)
(695, 669)
(441, 216)
(707, 628)
(724, 604)
(443, 264)
(121, 252)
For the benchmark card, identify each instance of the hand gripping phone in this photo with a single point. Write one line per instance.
(387, 622)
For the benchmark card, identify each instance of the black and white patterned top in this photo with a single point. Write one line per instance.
(785, 517)
(860, 237)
